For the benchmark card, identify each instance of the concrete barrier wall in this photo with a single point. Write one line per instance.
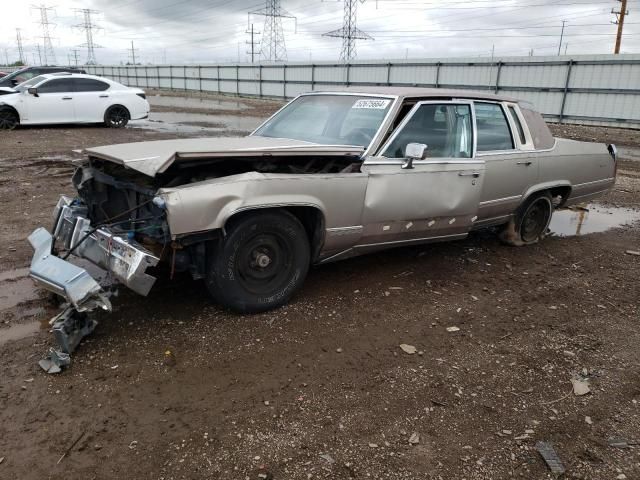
(594, 89)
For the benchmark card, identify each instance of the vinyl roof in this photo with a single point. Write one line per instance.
(421, 92)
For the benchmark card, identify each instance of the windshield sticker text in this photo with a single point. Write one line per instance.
(377, 104)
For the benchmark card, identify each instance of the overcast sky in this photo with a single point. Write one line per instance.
(179, 31)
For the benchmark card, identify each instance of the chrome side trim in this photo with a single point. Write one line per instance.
(412, 240)
(339, 231)
(603, 180)
(518, 152)
(399, 161)
(500, 200)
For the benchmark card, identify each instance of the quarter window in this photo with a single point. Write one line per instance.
(89, 85)
(444, 128)
(493, 128)
(58, 85)
(516, 120)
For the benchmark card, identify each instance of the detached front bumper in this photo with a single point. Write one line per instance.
(126, 260)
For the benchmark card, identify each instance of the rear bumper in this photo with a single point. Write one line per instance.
(124, 259)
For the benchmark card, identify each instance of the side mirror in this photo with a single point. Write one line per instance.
(414, 151)
(33, 91)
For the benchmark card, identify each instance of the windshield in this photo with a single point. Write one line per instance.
(29, 83)
(329, 119)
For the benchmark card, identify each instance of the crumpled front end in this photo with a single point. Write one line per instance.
(73, 234)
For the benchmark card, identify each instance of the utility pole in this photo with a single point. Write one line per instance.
(21, 56)
(620, 14)
(88, 26)
(349, 31)
(47, 50)
(6, 57)
(273, 47)
(75, 56)
(252, 43)
(561, 35)
(133, 53)
(39, 54)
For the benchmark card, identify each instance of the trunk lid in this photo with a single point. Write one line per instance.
(151, 158)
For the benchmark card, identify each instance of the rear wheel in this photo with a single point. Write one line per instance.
(260, 263)
(8, 119)
(530, 223)
(116, 117)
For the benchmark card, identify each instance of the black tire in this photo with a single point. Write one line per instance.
(9, 119)
(116, 116)
(260, 263)
(531, 221)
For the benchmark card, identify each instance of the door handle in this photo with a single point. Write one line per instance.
(526, 163)
(67, 98)
(104, 96)
(472, 174)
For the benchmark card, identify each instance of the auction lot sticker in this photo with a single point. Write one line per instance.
(376, 103)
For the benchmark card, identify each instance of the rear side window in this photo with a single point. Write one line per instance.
(493, 128)
(516, 120)
(89, 85)
(57, 85)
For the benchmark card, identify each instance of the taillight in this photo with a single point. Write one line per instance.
(613, 151)
(142, 96)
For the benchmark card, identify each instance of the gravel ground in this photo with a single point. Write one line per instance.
(321, 388)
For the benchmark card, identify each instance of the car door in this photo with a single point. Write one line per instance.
(53, 102)
(505, 145)
(91, 99)
(436, 199)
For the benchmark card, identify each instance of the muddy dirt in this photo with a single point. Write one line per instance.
(321, 388)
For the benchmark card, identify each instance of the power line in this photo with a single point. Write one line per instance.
(349, 31)
(620, 14)
(88, 26)
(561, 35)
(47, 50)
(273, 47)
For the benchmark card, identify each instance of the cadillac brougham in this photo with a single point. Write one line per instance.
(329, 176)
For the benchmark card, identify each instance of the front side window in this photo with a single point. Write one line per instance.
(30, 83)
(445, 129)
(493, 128)
(329, 119)
(57, 85)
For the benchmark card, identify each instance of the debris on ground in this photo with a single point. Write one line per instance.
(55, 361)
(588, 420)
(410, 349)
(453, 329)
(551, 458)
(580, 387)
(633, 252)
(328, 458)
(414, 439)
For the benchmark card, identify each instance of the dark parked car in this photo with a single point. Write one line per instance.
(3, 74)
(27, 73)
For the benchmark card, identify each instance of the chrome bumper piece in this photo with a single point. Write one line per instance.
(123, 258)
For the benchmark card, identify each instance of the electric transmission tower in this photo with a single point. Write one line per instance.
(132, 53)
(21, 56)
(47, 51)
(273, 46)
(349, 31)
(252, 44)
(88, 26)
(620, 14)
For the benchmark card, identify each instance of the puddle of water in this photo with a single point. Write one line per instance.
(20, 331)
(15, 292)
(180, 122)
(592, 218)
(197, 102)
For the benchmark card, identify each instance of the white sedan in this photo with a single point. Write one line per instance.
(71, 98)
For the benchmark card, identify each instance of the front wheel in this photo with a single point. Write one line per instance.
(260, 263)
(530, 222)
(8, 119)
(116, 117)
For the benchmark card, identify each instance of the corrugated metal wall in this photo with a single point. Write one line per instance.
(594, 89)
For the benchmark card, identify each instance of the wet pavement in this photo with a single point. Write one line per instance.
(197, 103)
(187, 122)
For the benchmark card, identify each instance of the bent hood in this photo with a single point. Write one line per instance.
(7, 90)
(151, 158)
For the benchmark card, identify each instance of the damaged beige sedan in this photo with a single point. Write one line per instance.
(329, 176)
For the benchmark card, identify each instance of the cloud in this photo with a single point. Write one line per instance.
(215, 30)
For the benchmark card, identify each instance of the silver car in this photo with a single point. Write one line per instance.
(329, 176)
